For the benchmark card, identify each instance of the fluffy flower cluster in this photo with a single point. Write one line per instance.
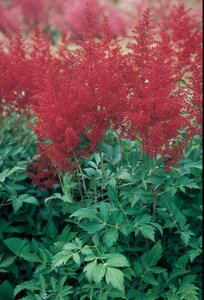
(42, 173)
(76, 95)
(68, 15)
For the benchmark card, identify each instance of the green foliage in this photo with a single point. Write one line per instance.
(122, 229)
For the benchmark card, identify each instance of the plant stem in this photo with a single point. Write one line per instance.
(154, 203)
(81, 173)
(121, 148)
(103, 167)
(79, 183)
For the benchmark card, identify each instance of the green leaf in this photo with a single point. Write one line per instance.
(154, 255)
(188, 292)
(99, 273)
(89, 270)
(54, 196)
(192, 254)
(6, 173)
(16, 245)
(29, 256)
(77, 259)
(124, 175)
(61, 258)
(27, 285)
(149, 278)
(17, 204)
(115, 277)
(87, 213)
(110, 237)
(6, 291)
(182, 261)
(70, 246)
(153, 180)
(148, 231)
(26, 198)
(113, 194)
(116, 154)
(186, 236)
(118, 260)
(134, 198)
(92, 227)
(7, 262)
(192, 164)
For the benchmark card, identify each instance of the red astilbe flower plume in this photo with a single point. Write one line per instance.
(81, 93)
(13, 74)
(17, 66)
(156, 108)
(79, 96)
(183, 31)
(186, 42)
(196, 87)
(42, 173)
(9, 17)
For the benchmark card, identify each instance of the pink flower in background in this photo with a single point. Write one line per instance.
(68, 15)
(9, 17)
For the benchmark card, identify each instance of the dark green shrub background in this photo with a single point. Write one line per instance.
(124, 229)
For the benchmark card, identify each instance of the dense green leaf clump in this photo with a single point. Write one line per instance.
(119, 227)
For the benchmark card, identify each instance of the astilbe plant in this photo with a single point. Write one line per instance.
(138, 93)
(18, 65)
(76, 95)
(42, 173)
(79, 93)
(156, 65)
(13, 70)
(63, 15)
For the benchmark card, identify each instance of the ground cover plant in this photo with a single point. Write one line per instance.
(101, 163)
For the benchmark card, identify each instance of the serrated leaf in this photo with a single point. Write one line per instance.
(182, 261)
(17, 204)
(27, 285)
(86, 213)
(77, 259)
(192, 254)
(153, 180)
(16, 245)
(99, 273)
(149, 279)
(26, 198)
(118, 260)
(186, 236)
(148, 231)
(7, 262)
(54, 196)
(92, 227)
(110, 237)
(70, 246)
(115, 277)
(116, 154)
(6, 173)
(113, 194)
(157, 270)
(151, 258)
(188, 292)
(89, 270)
(61, 258)
(104, 211)
(124, 175)
(29, 256)
(177, 273)
(134, 198)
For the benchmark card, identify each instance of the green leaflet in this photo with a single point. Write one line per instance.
(115, 277)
